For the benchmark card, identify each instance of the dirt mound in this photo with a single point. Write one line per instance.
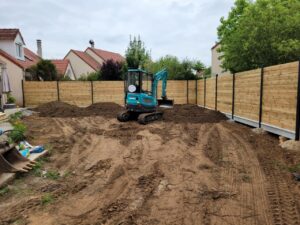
(61, 109)
(192, 114)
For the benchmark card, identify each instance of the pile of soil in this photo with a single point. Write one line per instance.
(178, 114)
(62, 109)
(192, 114)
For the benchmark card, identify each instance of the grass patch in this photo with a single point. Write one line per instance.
(47, 199)
(37, 169)
(52, 174)
(4, 191)
(295, 168)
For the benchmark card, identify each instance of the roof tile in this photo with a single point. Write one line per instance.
(88, 59)
(106, 55)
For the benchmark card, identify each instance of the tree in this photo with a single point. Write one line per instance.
(260, 33)
(178, 70)
(136, 54)
(111, 70)
(44, 70)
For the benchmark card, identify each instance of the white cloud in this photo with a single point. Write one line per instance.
(176, 27)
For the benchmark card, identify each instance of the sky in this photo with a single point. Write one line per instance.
(183, 28)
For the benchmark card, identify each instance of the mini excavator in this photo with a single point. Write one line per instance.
(141, 101)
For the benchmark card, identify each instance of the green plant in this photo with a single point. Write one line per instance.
(111, 70)
(44, 70)
(47, 199)
(10, 99)
(90, 76)
(4, 191)
(136, 54)
(65, 78)
(294, 168)
(260, 33)
(13, 118)
(53, 175)
(18, 133)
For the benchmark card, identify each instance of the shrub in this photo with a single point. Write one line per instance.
(90, 76)
(10, 99)
(43, 70)
(18, 133)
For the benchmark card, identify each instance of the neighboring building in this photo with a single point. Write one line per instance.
(64, 68)
(215, 61)
(12, 56)
(90, 60)
(82, 63)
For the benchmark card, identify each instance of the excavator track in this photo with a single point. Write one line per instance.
(145, 118)
(124, 116)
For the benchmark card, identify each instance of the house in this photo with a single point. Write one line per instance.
(215, 60)
(64, 68)
(90, 60)
(12, 57)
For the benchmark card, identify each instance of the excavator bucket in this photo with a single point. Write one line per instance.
(12, 161)
(165, 103)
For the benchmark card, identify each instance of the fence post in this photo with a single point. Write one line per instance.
(92, 91)
(57, 88)
(204, 92)
(23, 93)
(233, 95)
(261, 95)
(187, 91)
(196, 92)
(216, 92)
(297, 131)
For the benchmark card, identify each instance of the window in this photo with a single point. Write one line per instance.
(19, 50)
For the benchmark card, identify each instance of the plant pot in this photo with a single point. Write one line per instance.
(9, 106)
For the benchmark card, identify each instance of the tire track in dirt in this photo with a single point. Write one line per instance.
(281, 202)
(247, 178)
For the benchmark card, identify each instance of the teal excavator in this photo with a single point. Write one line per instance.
(141, 101)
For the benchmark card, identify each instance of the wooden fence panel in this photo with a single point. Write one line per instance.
(76, 92)
(224, 99)
(280, 95)
(200, 92)
(36, 92)
(210, 93)
(192, 92)
(109, 91)
(176, 90)
(247, 94)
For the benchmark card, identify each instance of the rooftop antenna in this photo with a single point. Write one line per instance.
(92, 43)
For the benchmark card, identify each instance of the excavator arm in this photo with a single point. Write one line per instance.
(163, 76)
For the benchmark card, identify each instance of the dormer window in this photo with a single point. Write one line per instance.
(19, 50)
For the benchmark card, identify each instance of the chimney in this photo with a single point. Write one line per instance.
(39, 48)
(92, 43)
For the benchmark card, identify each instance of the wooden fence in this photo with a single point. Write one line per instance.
(266, 97)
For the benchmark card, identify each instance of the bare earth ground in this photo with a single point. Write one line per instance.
(194, 167)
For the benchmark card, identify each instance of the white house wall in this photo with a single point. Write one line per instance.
(9, 47)
(70, 73)
(79, 66)
(215, 62)
(15, 75)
